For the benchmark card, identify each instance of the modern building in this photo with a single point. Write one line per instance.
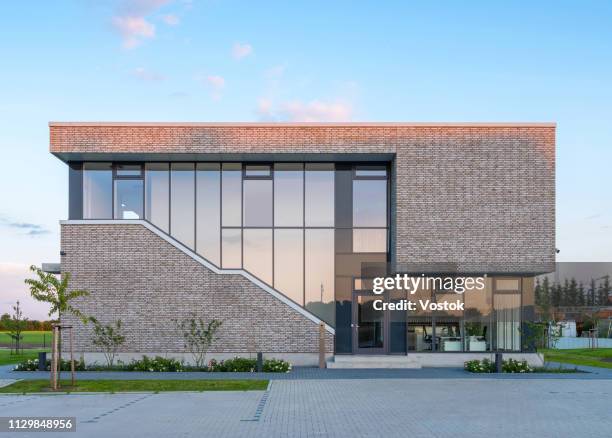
(273, 228)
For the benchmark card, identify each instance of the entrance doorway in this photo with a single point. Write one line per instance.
(369, 325)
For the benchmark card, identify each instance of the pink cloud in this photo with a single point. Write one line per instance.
(131, 23)
(215, 83)
(313, 111)
(240, 51)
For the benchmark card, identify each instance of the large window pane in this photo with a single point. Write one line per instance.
(289, 195)
(128, 199)
(129, 169)
(97, 191)
(157, 196)
(182, 203)
(289, 263)
(232, 194)
(370, 240)
(508, 321)
(257, 202)
(319, 275)
(258, 253)
(231, 251)
(369, 203)
(208, 211)
(319, 195)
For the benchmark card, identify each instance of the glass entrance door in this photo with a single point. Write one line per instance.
(368, 324)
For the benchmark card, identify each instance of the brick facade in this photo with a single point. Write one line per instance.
(134, 275)
(480, 196)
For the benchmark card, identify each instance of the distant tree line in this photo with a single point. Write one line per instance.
(571, 293)
(28, 324)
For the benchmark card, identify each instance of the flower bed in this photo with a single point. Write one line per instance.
(163, 364)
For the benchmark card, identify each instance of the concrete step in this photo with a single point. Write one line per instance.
(371, 361)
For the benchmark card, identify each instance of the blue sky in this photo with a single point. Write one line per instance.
(156, 60)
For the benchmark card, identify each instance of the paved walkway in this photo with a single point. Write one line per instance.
(422, 407)
(317, 374)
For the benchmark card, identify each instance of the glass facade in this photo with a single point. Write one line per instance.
(307, 230)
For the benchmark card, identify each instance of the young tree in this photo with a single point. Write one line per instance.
(592, 293)
(198, 337)
(581, 295)
(603, 291)
(16, 325)
(109, 338)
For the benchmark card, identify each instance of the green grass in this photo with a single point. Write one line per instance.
(25, 386)
(6, 358)
(581, 356)
(29, 337)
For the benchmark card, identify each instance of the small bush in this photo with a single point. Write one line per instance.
(276, 366)
(237, 365)
(156, 364)
(508, 366)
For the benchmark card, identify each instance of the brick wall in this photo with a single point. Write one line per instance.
(134, 275)
(480, 196)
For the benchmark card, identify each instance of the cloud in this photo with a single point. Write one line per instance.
(12, 288)
(298, 111)
(131, 23)
(28, 229)
(240, 51)
(171, 19)
(147, 75)
(593, 216)
(275, 72)
(215, 83)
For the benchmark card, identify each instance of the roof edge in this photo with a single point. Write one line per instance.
(310, 124)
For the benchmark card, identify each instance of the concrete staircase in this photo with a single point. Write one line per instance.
(371, 361)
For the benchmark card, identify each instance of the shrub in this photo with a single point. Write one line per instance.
(198, 337)
(477, 366)
(109, 338)
(276, 366)
(156, 364)
(237, 364)
(508, 366)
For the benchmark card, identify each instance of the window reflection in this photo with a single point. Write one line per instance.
(369, 203)
(258, 253)
(97, 191)
(232, 194)
(319, 195)
(231, 248)
(128, 198)
(208, 211)
(289, 263)
(157, 196)
(182, 202)
(257, 202)
(319, 275)
(370, 240)
(289, 195)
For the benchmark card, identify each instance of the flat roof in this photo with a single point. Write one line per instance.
(315, 124)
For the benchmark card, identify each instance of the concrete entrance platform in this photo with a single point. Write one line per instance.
(371, 361)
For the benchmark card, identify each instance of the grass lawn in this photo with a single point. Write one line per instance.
(29, 337)
(6, 358)
(25, 386)
(599, 357)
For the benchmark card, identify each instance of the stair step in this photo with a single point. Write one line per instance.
(371, 361)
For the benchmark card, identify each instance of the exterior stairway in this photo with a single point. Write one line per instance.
(371, 361)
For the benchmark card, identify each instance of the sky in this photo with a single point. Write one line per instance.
(163, 60)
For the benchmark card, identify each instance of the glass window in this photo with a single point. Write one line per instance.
(319, 195)
(208, 211)
(257, 170)
(97, 191)
(369, 240)
(232, 194)
(257, 202)
(508, 321)
(289, 195)
(129, 169)
(319, 273)
(289, 263)
(371, 172)
(128, 198)
(258, 253)
(369, 203)
(182, 203)
(157, 196)
(231, 249)
(477, 315)
(507, 284)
